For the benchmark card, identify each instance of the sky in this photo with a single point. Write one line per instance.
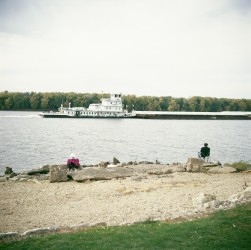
(179, 48)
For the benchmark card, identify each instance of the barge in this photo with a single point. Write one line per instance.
(171, 115)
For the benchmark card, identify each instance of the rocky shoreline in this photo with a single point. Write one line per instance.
(51, 199)
(106, 170)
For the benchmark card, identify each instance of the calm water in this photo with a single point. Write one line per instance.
(28, 141)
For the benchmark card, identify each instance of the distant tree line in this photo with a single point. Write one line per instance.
(52, 101)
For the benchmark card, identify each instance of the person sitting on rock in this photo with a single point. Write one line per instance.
(73, 162)
(204, 151)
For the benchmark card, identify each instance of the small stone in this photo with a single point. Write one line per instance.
(103, 164)
(115, 161)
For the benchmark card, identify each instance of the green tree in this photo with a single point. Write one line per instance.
(45, 101)
(173, 105)
(194, 103)
(8, 103)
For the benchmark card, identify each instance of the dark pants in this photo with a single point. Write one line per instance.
(72, 166)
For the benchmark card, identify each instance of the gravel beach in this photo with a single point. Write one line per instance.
(38, 204)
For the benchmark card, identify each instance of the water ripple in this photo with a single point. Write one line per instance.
(28, 143)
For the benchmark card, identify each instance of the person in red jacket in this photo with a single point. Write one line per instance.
(73, 162)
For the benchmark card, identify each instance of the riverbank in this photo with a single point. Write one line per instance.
(144, 196)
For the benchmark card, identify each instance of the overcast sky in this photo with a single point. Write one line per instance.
(179, 48)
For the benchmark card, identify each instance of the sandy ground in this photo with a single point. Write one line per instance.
(28, 205)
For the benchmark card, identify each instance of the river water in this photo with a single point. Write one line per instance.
(29, 141)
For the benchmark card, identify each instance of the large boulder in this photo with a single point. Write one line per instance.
(195, 161)
(58, 173)
(194, 165)
(43, 170)
(100, 173)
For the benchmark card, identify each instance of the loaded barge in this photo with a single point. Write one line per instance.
(225, 115)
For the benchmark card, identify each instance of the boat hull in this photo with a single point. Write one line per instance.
(55, 115)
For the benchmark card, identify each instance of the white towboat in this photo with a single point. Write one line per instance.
(108, 108)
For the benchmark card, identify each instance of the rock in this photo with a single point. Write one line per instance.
(99, 224)
(99, 173)
(189, 167)
(79, 227)
(247, 193)
(210, 164)
(194, 165)
(13, 174)
(103, 164)
(8, 171)
(179, 168)
(38, 231)
(202, 198)
(236, 198)
(23, 179)
(146, 162)
(44, 170)
(221, 170)
(112, 166)
(197, 168)
(240, 197)
(213, 204)
(195, 161)
(115, 161)
(154, 169)
(4, 236)
(3, 179)
(13, 179)
(42, 177)
(160, 171)
(58, 173)
(194, 168)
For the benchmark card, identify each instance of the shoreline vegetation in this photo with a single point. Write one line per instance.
(112, 194)
(45, 101)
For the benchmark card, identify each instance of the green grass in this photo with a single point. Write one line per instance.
(241, 165)
(222, 230)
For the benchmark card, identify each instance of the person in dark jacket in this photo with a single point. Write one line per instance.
(204, 151)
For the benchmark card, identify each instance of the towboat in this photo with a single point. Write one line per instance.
(108, 108)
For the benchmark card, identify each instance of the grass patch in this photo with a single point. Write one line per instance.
(222, 230)
(241, 165)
